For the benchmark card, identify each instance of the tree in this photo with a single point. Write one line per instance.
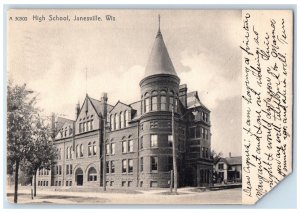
(20, 111)
(216, 156)
(42, 153)
(29, 138)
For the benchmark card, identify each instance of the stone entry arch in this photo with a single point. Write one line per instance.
(79, 177)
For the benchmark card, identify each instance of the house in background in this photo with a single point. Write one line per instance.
(228, 169)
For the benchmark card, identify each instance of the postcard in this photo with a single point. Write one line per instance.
(128, 106)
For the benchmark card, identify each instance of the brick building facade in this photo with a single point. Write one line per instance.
(138, 136)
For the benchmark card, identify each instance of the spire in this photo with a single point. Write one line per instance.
(158, 32)
(159, 61)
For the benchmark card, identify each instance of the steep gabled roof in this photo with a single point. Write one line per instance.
(194, 101)
(98, 105)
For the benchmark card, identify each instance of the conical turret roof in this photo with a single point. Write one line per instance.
(159, 61)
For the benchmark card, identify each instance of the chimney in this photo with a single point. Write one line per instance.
(77, 110)
(183, 94)
(230, 154)
(53, 125)
(104, 104)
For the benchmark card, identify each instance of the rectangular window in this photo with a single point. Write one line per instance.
(141, 183)
(84, 125)
(170, 163)
(124, 166)
(91, 124)
(39, 183)
(89, 150)
(129, 183)
(107, 149)
(67, 169)
(67, 183)
(71, 169)
(111, 183)
(113, 150)
(153, 141)
(112, 166)
(142, 164)
(147, 104)
(154, 103)
(80, 128)
(142, 143)
(154, 162)
(203, 152)
(198, 132)
(59, 169)
(192, 132)
(70, 183)
(94, 148)
(170, 140)
(202, 132)
(124, 147)
(107, 167)
(130, 146)
(130, 166)
(171, 104)
(221, 166)
(163, 101)
(123, 183)
(88, 126)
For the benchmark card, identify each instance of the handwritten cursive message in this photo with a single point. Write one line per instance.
(266, 47)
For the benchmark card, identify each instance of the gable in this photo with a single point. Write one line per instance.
(65, 131)
(88, 117)
(119, 107)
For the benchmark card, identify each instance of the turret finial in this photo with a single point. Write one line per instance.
(158, 32)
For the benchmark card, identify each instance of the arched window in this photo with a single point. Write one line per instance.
(163, 100)
(112, 122)
(117, 121)
(77, 151)
(81, 150)
(94, 148)
(89, 149)
(92, 174)
(146, 103)
(154, 101)
(122, 120)
(171, 100)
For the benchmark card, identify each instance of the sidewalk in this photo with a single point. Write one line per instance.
(159, 196)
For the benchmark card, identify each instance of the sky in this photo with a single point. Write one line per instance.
(54, 58)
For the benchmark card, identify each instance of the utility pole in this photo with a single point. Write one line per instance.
(104, 99)
(174, 152)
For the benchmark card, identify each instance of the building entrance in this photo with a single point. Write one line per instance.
(79, 177)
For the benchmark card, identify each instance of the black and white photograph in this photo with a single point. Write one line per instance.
(124, 106)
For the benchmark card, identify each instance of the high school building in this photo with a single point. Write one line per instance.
(137, 136)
